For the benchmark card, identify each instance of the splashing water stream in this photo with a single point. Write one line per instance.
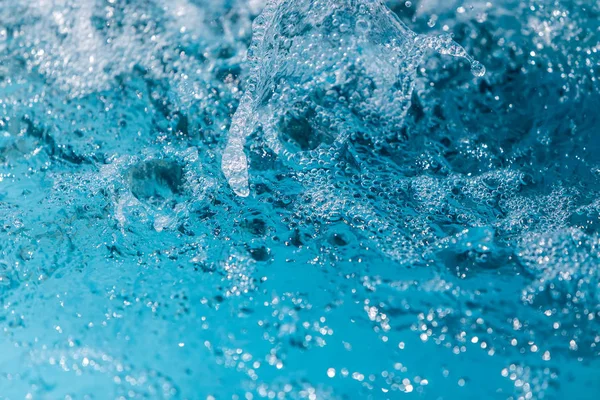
(317, 52)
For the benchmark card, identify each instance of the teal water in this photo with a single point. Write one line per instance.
(334, 199)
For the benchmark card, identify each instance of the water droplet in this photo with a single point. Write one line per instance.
(477, 69)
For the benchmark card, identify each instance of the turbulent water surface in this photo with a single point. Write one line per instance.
(322, 199)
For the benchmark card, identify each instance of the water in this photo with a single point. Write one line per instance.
(319, 71)
(357, 200)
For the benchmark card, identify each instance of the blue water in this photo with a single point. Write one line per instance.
(320, 199)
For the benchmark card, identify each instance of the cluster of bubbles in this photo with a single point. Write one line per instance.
(322, 71)
(299, 199)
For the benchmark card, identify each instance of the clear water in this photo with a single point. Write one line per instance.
(339, 203)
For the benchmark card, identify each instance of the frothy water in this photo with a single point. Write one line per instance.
(322, 69)
(300, 199)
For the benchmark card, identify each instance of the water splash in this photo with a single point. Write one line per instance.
(380, 252)
(320, 70)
